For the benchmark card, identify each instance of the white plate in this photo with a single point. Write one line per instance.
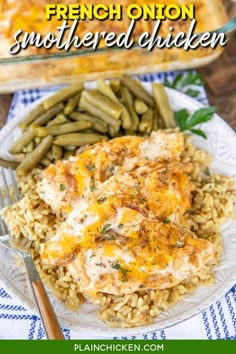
(221, 143)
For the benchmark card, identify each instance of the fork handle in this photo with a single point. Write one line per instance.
(48, 316)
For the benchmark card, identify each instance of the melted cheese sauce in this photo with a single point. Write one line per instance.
(124, 227)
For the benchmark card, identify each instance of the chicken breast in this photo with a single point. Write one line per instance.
(67, 181)
(154, 192)
(124, 202)
(120, 264)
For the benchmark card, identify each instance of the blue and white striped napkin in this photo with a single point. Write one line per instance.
(217, 322)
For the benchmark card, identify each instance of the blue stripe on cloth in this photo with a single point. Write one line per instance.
(222, 318)
(4, 294)
(32, 327)
(230, 298)
(41, 333)
(12, 307)
(215, 323)
(206, 325)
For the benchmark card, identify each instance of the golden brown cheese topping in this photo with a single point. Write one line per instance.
(124, 202)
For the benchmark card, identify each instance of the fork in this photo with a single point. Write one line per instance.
(47, 314)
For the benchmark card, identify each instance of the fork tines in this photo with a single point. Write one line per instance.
(7, 179)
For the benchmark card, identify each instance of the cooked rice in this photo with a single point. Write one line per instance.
(213, 201)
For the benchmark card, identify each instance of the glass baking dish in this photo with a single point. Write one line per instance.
(31, 69)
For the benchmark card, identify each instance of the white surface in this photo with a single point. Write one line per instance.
(221, 143)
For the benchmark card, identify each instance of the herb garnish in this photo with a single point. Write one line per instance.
(185, 121)
(90, 167)
(101, 199)
(100, 265)
(120, 226)
(141, 199)
(184, 83)
(62, 187)
(207, 171)
(92, 185)
(166, 220)
(106, 227)
(110, 237)
(92, 255)
(116, 265)
(112, 168)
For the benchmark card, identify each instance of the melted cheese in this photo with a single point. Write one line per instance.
(126, 229)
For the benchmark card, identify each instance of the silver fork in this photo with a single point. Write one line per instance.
(48, 316)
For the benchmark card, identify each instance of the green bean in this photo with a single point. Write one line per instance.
(59, 119)
(155, 123)
(9, 164)
(128, 100)
(33, 159)
(163, 105)
(45, 162)
(140, 106)
(33, 114)
(70, 148)
(49, 155)
(113, 133)
(88, 107)
(90, 131)
(115, 85)
(137, 89)
(130, 132)
(68, 154)
(29, 147)
(62, 95)
(71, 104)
(78, 139)
(44, 118)
(97, 123)
(37, 140)
(63, 128)
(106, 90)
(57, 152)
(103, 103)
(146, 123)
(22, 141)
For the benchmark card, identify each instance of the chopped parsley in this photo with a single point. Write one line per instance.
(92, 185)
(101, 199)
(166, 220)
(92, 255)
(179, 244)
(142, 286)
(116, 265)
(100, 265)
(110, 237)
(106, 227)
(112, 169)
(166, 169)
(207, 171)
(124, 274)
(141, 199)
(120, 226)
(90, 167)
(62, 187)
